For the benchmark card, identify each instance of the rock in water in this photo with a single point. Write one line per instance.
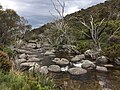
(99, 68)
(86, 64)
(54, 68)
(44, 70)
(34, 60)
(77, 71)
(91, 54)
(78, 58)
(101, 59)
(117, 61)
(61, 61)
(28, 64)
(49, 53)
(23, 56)
(19, 61)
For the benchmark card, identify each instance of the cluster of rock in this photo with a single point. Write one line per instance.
(77, 65)
(80, 64)
(27, 58)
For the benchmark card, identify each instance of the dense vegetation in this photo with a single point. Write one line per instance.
(75, 30)
(110, 32)
(12, 29)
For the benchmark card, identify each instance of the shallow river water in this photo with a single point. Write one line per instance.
(93, 80)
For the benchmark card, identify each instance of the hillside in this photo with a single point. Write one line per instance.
(110, 41)
(99, 11)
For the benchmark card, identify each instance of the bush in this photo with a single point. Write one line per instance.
(5, 64)
(83, 45)
(23, 81)
(7, 50)
(112, 51)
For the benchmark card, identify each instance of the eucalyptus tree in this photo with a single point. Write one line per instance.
(11, 26)
(58, 34)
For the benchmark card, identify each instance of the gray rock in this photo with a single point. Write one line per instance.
(109, 65)
(38, 45)
(31, 45)
(43, 70)
(19, 61)
(78, 58)
(117, 61)
(61, 61)
(23, 56)
(33, 60)
(20, 51)
(28, 64)
(54, 68)
(52, 55)
(46, 45)
(101, 59)
(77, 71)
(91, 54)
(87, 64)
(53, 50)
(99, 68)
(49, 53)
(34, 68)
(32, 56)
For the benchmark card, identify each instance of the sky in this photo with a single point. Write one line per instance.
(37, 12)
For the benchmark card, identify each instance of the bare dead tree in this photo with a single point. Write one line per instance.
(95, 30)
(60, 25)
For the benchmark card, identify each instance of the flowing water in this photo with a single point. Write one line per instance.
(93, 80)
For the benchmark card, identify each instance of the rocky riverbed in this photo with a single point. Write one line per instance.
(70, 71)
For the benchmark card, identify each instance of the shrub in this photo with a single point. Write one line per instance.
(112, 51)
(7, 50)
(23, 81)
(83, 45)
(5, 64)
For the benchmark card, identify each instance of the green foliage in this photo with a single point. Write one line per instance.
(22, 81)
(83, 45)
(112, 50)
(7, 50)
(12, 26)
(5, 63)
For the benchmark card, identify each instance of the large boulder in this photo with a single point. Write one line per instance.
(100, 68)
(54, 68)
(61, 61)
(78, 58)
(87, 64)
(101, 59)
(91, 54)
(77, 71)
(43, 70)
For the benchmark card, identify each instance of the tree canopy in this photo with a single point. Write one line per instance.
(12, 25)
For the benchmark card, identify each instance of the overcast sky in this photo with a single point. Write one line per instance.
(37, 11)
